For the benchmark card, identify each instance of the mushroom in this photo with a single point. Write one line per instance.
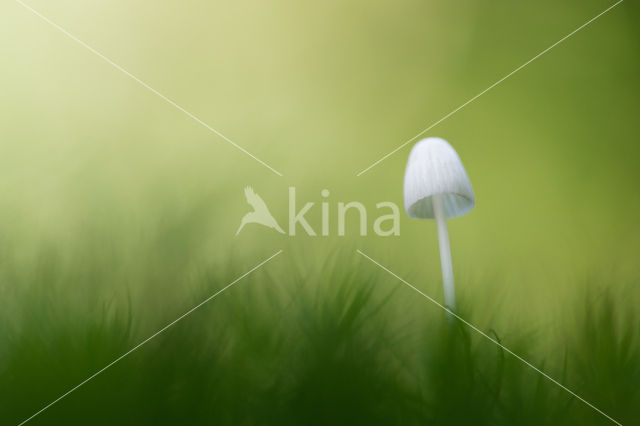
(436, 186)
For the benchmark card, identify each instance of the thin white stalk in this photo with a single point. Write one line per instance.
(445, 252)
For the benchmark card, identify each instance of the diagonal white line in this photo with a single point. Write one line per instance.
(432, 300)
(150, 337)
(489, 88)
(142, 83)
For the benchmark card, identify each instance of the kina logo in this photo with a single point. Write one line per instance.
(387, 222)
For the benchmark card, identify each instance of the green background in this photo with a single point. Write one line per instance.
(112, 201)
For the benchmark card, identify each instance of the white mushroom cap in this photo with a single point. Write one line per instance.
(435, 168)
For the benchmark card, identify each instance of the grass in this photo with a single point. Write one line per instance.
(336, 345)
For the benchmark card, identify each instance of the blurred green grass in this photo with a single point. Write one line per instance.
(341, 345)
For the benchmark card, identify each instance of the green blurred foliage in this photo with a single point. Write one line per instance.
(329, 348)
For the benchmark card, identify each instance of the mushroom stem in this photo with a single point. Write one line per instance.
(445, 252)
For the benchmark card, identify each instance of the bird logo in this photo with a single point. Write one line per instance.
(260, 213)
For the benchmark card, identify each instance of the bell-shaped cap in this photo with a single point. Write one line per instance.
(435, 168)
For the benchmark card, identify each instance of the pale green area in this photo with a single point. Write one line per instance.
(320, 92)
